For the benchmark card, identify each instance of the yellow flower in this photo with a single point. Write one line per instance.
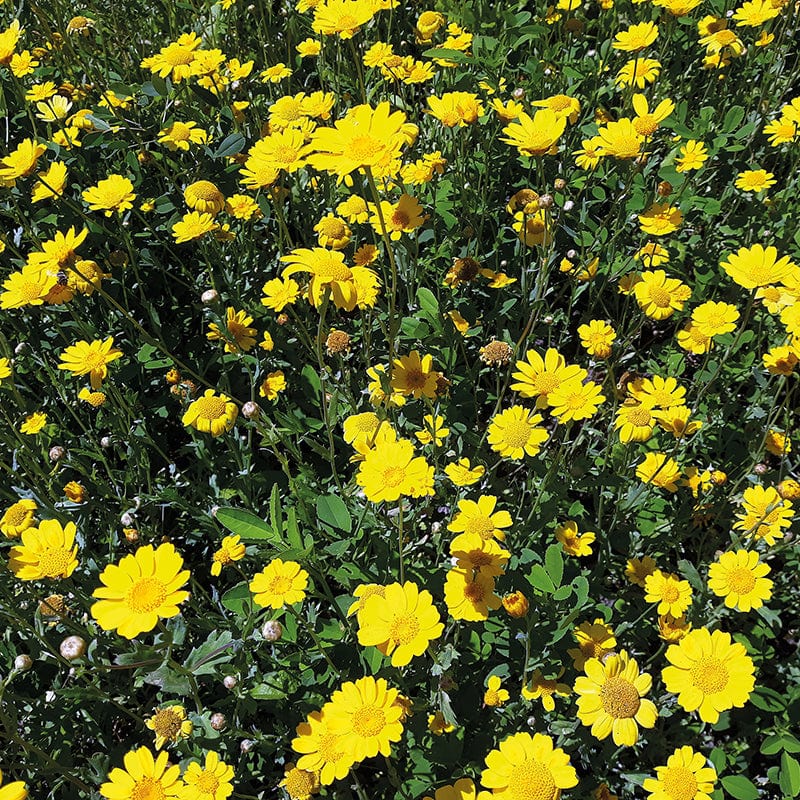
(646, 122)
(537, 376)
(193, 225)
(18, 517)
(342, 17)
(755, 180)
(93, 359)
(309, 48)
(472, 552)
(595, 640)
(638, 72)
(394, 219)
(480, 518)
(401, 622)
(470, 596)
(693, 156)
(415, 376)
(539, 687)
(144, 587)
(169, 725)
(33, 423)
(390, 471)
(739, 578)
(75, 492)
(48, 551)
(231, 550)
(434, 431)
(21, 161)
(597, 336)
(685, 777)
(143, 775)
(437, 724)
(661, 219)
(276, 73)
(709, 673)
(50, 183)
(611, 699)
(273, 385)
(176, 59)
(673, 595)
(715, 319)
(280, 583)
(535, 136)
(575, 544)
(279, 293)
(528, 766)
(456, 108)
(211, 413)
(636, 37)
(239, 336)
(462, 473)
(181, 135)
(756, 266)
(494, 696)
(764, 514)
(620, 139)
(777, 443)
(659, 296)
(212, 781)
(16, 790)
(673, 629)
(321, 750)
(516, 432)
(516, 605)
(562, 105)
(575, 400)
(300, 784)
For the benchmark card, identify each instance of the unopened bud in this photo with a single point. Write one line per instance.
(251, 410)
(282, 319)
(214, 510)
(559, 184)
(126, 520)
(272, 630)
(106, 442)
(57, 453)
(571, 255)
(246, 745)
(568, 205)
(23, 663)
(229, 682)
(21, 348)
(518, 93)
(209, 297)
(761, 469)
(218, 721)
(72, 647)
(545, 201)
(664, 189)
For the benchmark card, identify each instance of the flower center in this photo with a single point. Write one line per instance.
(545, 383)
(592, 649)
(639, 416)
(574, 401)
(483, 526)
(30, 290)
(95, 360)
(280, 584)
(285, 154)
(415, 378)
(394, 476)
(531, 780)
(404, 628)
(147, 789)
(709, 675)
(178, 56)
(167, 723)
(620, 698)
(333, 228)
(208, 783)
(741, 580)
(400, 219)
(17, 514)
(365, 149)
(369, 721)
(559, 103)
(660, 297)
(147, 594)
(53, 563)
(205, 190)
(328, 748)
(679, 783)
(300, 783)
(331, 270)
(517, 433)
(670, 592)
(211, 407)
(491, 698)
(474, 592)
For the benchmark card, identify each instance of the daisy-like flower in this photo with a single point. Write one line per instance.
(764, 514)
(536, 135)
(495, 696)
(686, 776)
(48, 551)
(597, 337)
(637, 569)
(673, 595)
(391, 470)
(646, 122)
(143, 776)
(414, 375)
(230, 550)
(575, 400)
(176, 59)
(333, 232)
(660, 219)
(170, 724)
(273, 385)
(238, 336)
(462, 473)
(401, 622)
(709, 673)
(17, 518)
(692, 156)
(321, 750)
(545, 689)
(755, 180)
(740, 578)
(300, 784)
(33, 423)
(342, 18)
(611, 699)
(660, 470)
(516, 432)
(636, 37)
(638, 72)
(211, 781)
(211, 413)
(50, 183)
(574, 543)
(659, 296)
(472, 552)
(595, 640)
(715, 319)
(193, 225)
(538, 376)
(142, 588)
(182, 135)
(395, 219)
(21, 161)
(470, 595)
(481, 518)
(279, 293)
(755, 266)
(280, 583)
(434, 430)
(526, 765)
(204, 197)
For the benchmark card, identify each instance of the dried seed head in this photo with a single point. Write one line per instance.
(338, 342)
(496, 353)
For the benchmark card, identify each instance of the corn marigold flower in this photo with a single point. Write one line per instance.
(231, 550)
(693, 155)
(537, 376)
(638, 569)
(652, 255)
(50, 183)
(685, 776)
(299, 784)
(777, 443)
(333, 232)
(535, 136)
(74, 492)
(516, 432)
(638, 72)
(33, 423)
(646, 122)
(309, 48)
(47, 551)
(279, 293)
(595, 640)
(755, 180)
(401, 622)
(18, 517)
(562, 105)
(637, 37)
(394, 219)
(660, 470)
(676, 421)
(342, 17)
(434, 430)
(528, 764)
(243, 207)
(470, 595)
(456, 108)
(182, 135)
(597, 337)
(8, 41)
(495, 696)
(414, 375)
(756, 266)
(280, 583)
(238, 336)
(692, 339)
(659, 296)
(709, 673)
(366, 716)
(545, 689)
(176, 59)
(739, 577)
(428, 23)
(211, 781)
(21, 161)
(657, 392)
(321, 751)
(715, 319)
(211, 413)
(193, 225)
(481, 518)
(620, 139)
(142, 588)
(462, 473)
(764, 514)
(575, 400)
(93, 358)
(575, 544)
(170, 725)
(590, 153)
(143, 774)
(723, 42)
(273, 385)
(204, 197)
(472, 552)
(390, 470)
(660, 219)
(673, 595)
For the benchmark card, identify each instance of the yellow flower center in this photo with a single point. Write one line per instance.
(365, 148)
(400, 219)
(328, 748)
(346, 22)
(29, 290)
(332, 227)
(483, 526)
(670, 592)
(479, 558)
(204, 190)
(450, 118)
(16, 515)
(741, 580)
(94, 360)
(369, 721)
(474, 592)
(592, 649)
(415, 378)
(394, 476)
(531, 780)
(545, 383)
(620, 698)
(645, 125)
(178, 56)
(279, 585)
(299, 783)
(208, 783)
(331, 270)
(639, 416)
(560, 102)
(54, 562)
(517, 433)
(574, 401)
(166, 723)
(404, 628)
(210, 407)
(709, 675)
(147, 594)
(725, 38)
(285, 154)
(147, 789)
(679, 783)
(660, 297)
(491, 698)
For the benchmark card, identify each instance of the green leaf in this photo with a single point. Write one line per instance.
(238, 599)
(275, 515)
(292, 529)
(168, 680)
(554, 563)
(740, 787)
(230, 146)
(332, 510)
(767, 699)
(429, 305)
(733, 119)
(216, 649)
(688, 570)
(790, 775)
(247, 525)
(265, 691)
(540, 580)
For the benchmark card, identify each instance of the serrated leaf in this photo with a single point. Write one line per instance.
(216, 649)
(275, 514)
(168, 680)
(740, 787)
(332, 510)
(688, 570)
(247, 525)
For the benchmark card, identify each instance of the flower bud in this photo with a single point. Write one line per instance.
(106, 442)
(246, 745)
(568, 205)
(516, 605)
(545, 201)
(21, 348)
(72, 647)
(718, 477)
(218, 721)
(559, 184)
(251, 410)
(131, 535)
(229, 681)
(57, 453)
(664, 189)
(23, 662)
(272, 630)
(789, 489)
(282, 319)
(209, 297)
(127, 520)
(571, 255)
(518, 93)
(761, 469)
